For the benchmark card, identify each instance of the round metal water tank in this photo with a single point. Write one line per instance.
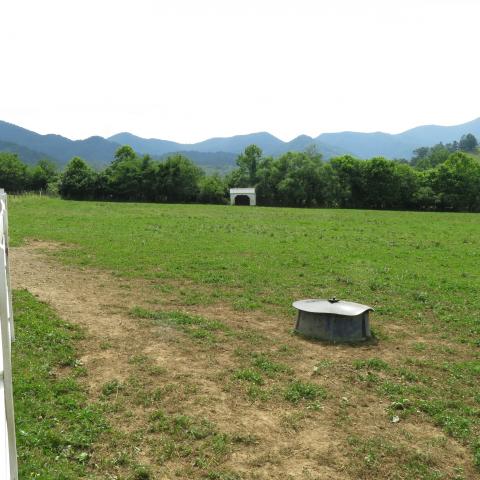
(333, 320)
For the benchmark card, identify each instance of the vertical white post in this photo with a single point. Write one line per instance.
(7, 420)
(3, 198)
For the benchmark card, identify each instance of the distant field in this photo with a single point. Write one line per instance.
(420, 271)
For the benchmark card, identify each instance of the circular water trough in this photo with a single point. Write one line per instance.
(333, 320)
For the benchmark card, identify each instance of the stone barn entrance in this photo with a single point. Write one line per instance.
(243, 196)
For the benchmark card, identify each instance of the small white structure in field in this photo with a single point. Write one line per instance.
(243, 196)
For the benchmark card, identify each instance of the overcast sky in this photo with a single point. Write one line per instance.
(187, 70)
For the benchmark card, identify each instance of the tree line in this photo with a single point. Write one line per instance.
(442, 177)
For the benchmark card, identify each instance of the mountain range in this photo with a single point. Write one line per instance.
(220, 153)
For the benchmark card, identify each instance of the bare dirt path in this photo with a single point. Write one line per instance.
(314, 448)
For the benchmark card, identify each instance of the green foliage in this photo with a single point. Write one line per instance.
(380, 184)
(43, 175)
(435, 179)
(212, 189)
(468, 143)
(268, 366)
(299, 390)
(178, 179)
(248, 163)
(13, 173)
(78, 180)
(457, 183)
(249, 375)
(124, 176)
(371, 363)
(425, 158)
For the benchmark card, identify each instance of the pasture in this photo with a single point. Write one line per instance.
(183, 356)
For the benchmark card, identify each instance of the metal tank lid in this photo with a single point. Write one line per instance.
(332, 306)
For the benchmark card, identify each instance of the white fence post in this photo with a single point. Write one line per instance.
(8, 449)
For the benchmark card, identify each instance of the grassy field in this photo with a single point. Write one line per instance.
(418, 270)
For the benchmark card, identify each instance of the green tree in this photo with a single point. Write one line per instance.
(248, 163)
(78, 181)
(408, 180)
(457, 183)
(148, 173)
(349, 175)
(419, 154)
(380, 183)
(212, 189)
(43, 174)
(468, 143)
(177, 179)
(434, 156)
(425, 198)
(124, 175)
(299, 179)
(267, 181)
(124, 153)
(335, 193)
(13, 173)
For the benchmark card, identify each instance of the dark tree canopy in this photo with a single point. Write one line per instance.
(468, 143)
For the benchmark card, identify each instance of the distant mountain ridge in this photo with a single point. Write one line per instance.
(270, 144)
(97, 150)
(219, 153)
(400, 145)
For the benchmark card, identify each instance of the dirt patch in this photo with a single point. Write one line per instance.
(291, 442)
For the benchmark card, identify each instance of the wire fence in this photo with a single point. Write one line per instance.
(33, 193)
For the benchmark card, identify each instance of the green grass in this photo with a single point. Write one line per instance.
(419, 270)
(298, 391)
(56, 426)
(421, 266)
(250, 375)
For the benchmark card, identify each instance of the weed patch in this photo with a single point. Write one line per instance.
(298, 391)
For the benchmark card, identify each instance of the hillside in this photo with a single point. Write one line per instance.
(401, 145)
(96, 150)
(30, 157)
(219, 153)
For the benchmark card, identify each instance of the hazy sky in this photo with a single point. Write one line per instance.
(187, 70)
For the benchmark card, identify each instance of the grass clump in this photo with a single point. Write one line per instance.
(111, 387)
(298, 391)
(249, 375)
(183, 437)
(269, 367)
(371, 364)
(141, 473)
